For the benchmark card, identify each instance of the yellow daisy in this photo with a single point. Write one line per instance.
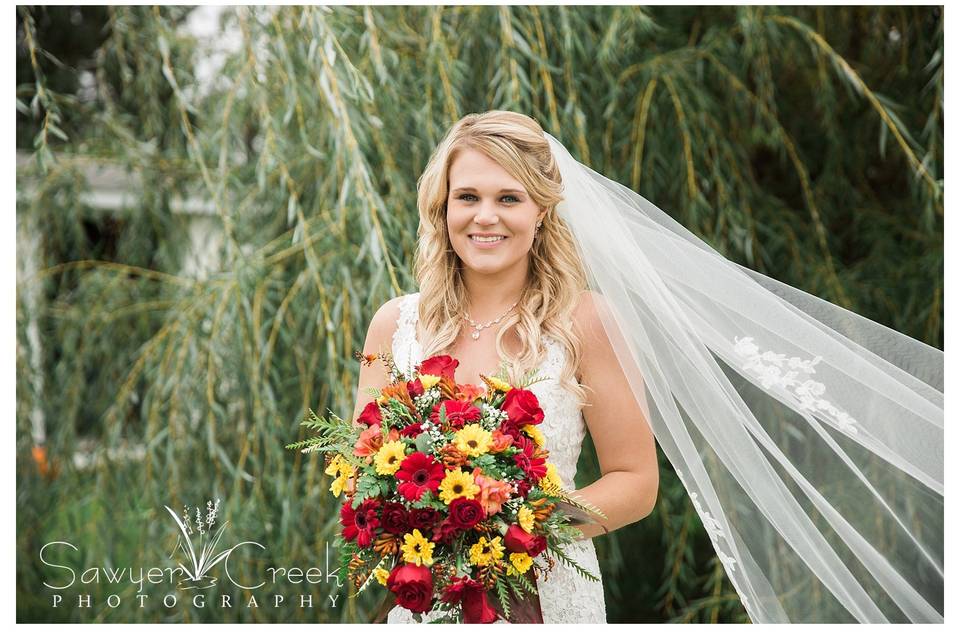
(486, 552)
(457, 484)
(534, 433)
(549, 487)
(428, 380)
(473, 440)
(520, 563)
(334, 467)
(417, 549)
(338, 485)
(389, 457)
(499, 384)
(381, 575)
(553, 476)
(525, 518)
(341, 470)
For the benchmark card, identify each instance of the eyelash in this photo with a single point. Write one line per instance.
(462, 196)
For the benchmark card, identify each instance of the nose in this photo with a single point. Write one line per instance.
(486, 215)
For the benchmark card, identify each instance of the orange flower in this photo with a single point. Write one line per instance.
(398, 391)
(370, 441)
(451, 457)
(493, 493)
(468, 392)
(500, 441)
(365, 359)
(40, 457)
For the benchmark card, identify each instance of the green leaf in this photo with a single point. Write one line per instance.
(422, 443)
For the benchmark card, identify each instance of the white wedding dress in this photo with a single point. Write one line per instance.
(565, 596)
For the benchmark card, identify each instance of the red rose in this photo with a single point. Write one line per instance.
(413, 586)
(423, 519)
(473, 600)
(371, 415)
(415, 387)
(360, 523)
(522, 408)
(444, 531)
(511, 431)
(466, 512)
(395, 518)
(517, 540)
(442, 365)
(458, 413)
(418, 473)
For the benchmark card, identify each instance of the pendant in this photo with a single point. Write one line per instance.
(475, 335)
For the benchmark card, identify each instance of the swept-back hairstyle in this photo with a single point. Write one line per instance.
(556, 276)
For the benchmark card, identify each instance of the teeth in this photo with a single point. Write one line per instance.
(488, 239)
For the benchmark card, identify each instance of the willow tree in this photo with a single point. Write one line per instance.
(803, 142)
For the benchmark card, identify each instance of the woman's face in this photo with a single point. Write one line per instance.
(485, 200)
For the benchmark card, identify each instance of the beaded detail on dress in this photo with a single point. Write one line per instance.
(565, 596)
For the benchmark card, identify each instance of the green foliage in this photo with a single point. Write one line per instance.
(803, 142)
(573, 564)
(367, 487)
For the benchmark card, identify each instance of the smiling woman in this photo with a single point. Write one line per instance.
(493, 248)
(663, 342)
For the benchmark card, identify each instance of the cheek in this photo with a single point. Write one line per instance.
(456, 219)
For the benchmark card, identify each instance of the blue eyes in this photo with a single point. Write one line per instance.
(470, 195)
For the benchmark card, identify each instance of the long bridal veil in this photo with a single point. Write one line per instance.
(809, 438)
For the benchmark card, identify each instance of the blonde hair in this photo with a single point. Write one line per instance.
(556, 277)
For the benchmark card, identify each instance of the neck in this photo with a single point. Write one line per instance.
(491, 294)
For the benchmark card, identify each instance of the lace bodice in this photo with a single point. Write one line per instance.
(563, 425)
(565, 597)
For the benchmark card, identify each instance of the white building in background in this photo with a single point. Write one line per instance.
(111, 188)
(114, 188)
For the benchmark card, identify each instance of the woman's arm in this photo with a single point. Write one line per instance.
(379, 338)
(627, 490)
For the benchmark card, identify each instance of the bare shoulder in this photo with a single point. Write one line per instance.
(379, 339)
(383, 324)
(596, 347)
(587, 317)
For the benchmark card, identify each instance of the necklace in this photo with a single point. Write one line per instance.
(477, 328)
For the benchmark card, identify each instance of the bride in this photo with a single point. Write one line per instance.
(500, 281)
(809, 438)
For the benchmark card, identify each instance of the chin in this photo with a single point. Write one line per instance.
(484, 265)
(485, 268)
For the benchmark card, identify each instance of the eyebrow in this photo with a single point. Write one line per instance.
(521, 191)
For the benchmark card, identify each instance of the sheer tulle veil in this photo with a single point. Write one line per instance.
(809, 438)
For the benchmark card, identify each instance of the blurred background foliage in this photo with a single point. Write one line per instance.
(207, 221)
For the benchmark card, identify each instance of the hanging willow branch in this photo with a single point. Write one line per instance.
(179, 335)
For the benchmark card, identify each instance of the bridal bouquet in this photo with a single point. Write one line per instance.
(451, 502)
